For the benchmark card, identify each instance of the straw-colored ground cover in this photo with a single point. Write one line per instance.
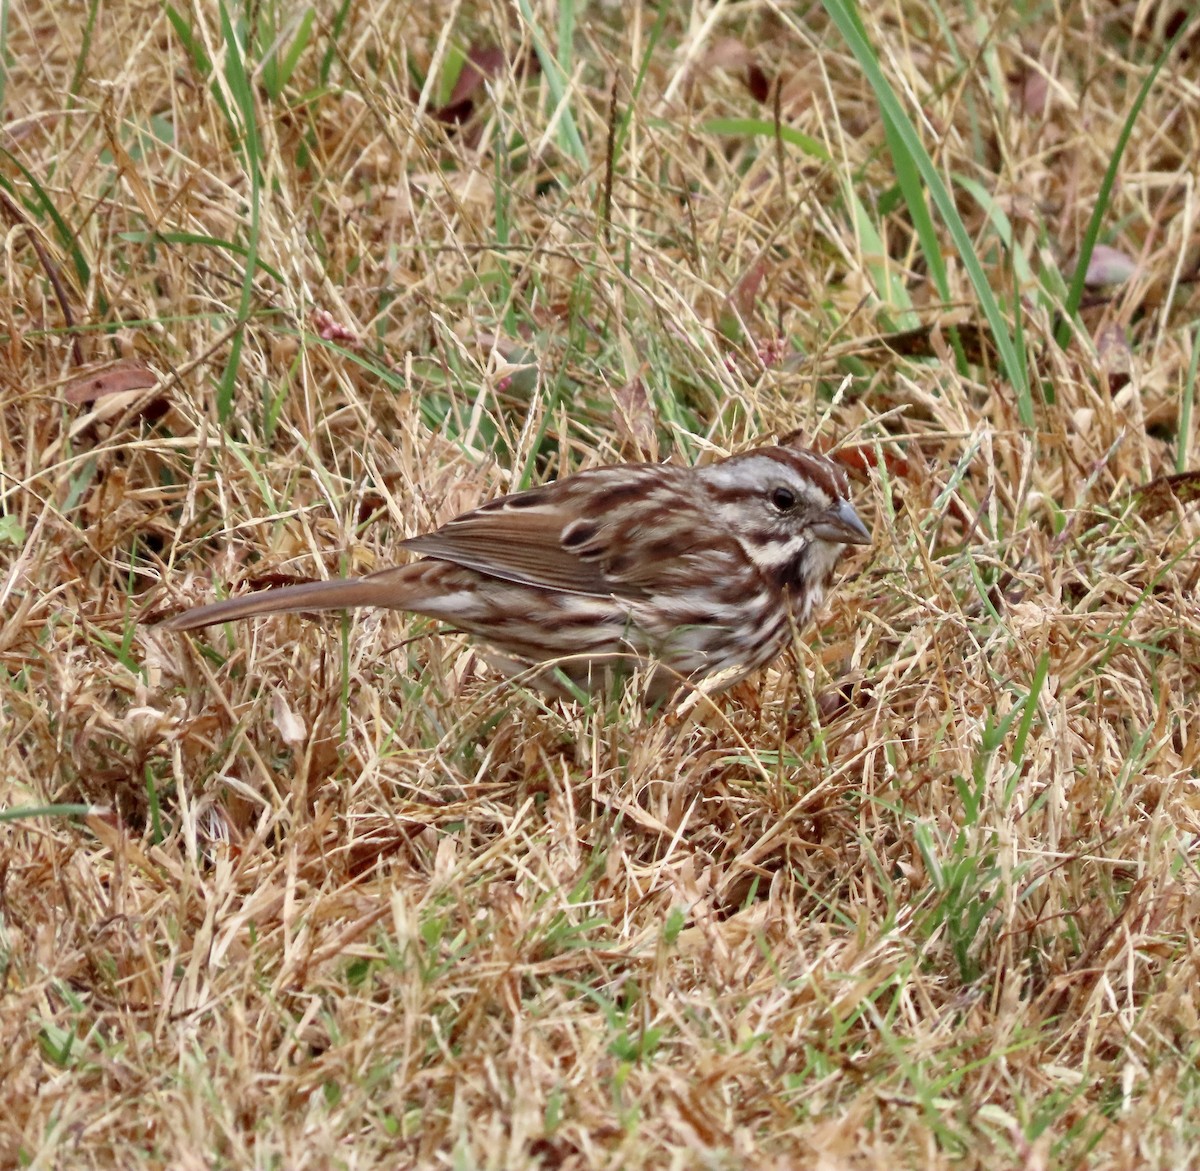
(284, 285)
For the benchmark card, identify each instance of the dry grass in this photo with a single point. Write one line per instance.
(925, 895)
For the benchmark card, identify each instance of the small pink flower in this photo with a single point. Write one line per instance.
(771, 352)
(329, 329)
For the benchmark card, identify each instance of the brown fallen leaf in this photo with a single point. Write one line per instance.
(1108, 266)
(1029, 88)
(858, 461)
(116, 379)
(730, 54)
(746, 290)
(482, 63)
(289, 725)
(1115, 355)
(634, 418)
(1163, 492)
(726, 53)
(975, 340)
(757, 82)
(738, 309)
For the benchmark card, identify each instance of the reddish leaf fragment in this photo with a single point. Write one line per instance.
(482, 62)
(757, 82)
(454, 115)
(858, 461)
(370, 505)
(634, 418)
(1108, 266)
(746, 290)
(729, 53)
(364, 853)
(124, 376)
(1116, 356)
(1032, 91)
(921, 342)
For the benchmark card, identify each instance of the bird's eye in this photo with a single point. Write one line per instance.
(784, 499)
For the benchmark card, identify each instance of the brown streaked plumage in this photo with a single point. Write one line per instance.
(699, 569)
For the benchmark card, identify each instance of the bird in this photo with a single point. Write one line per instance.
(691, 573)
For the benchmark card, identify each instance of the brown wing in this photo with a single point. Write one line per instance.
(523, 546)
(577, 535)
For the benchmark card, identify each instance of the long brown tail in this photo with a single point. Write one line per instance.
(390, 588)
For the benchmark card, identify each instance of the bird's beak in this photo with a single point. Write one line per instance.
(841, 525)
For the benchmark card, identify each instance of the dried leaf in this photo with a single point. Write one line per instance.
(1033, 91)
(1113, 347)
(1163, 492)
(634, 418)
(1116, 356)
(860, 462)
(739, 305)
(118, 379)
(757, 82)
(729, 53)
(1108, 266)
(975, 340)
(290, 726)
(746, 290)
(513, 365)
(482, 62)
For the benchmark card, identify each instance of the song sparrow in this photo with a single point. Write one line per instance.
(697, 569)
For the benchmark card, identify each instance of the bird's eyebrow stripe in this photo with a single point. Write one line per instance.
(822, 471)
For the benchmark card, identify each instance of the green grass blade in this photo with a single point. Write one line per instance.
(908, 176)
(67, 239)
(556, 80)
(905, 135)
(23, 812)
(762, 128)
(85, 44)
(4, 53)
(660, 22)
(1092, 233)
(204, 241)
(1187, 404)
(238, 79)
